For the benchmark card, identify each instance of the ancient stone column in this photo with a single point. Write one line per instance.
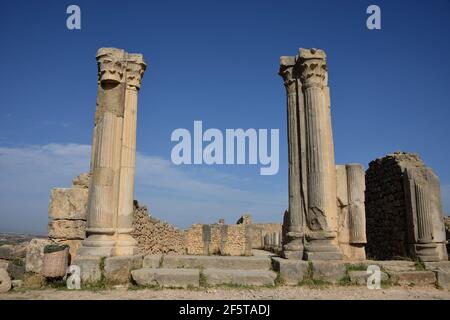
(106, 150)
(357, 213)
(426, 234)
(125, 244)
(293, 247)
(321, 213)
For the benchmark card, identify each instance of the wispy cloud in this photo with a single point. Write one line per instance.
(180, 195)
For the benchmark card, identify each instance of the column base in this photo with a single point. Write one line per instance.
(320, 247)
(293, 250)
(97, 245)
(429, 252)
(126, 245)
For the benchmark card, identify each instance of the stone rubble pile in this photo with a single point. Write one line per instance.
(155, 236)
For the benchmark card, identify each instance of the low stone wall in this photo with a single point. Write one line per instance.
(220, 238)
(155, 236)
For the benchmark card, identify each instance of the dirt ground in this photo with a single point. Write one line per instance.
(283, 293)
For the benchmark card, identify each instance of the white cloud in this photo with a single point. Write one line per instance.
(180, 195)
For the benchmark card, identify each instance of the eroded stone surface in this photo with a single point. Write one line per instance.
(5, 281)
(240, 277)
(291, 271)
(216, 262)
(90, 268)
(68, 203)
(419, 278)
(35, 255)
(118, 269)
(67, 229)
(360, 277)
(177, 278)
(152, 261)
(330, 271)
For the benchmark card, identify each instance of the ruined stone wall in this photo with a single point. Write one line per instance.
(389, 227)
(385, 206)
(220, 239)
(259, 230)
(67, 213)
(194, 240)
(155, 236)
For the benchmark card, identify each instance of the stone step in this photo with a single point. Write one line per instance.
(208, 262)
(239, 277)
(164, 277)
(418, 278)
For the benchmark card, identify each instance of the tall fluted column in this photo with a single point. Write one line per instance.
(125, 244)
(106, 150)
(321, 214)
(293, 245)
(357, 212)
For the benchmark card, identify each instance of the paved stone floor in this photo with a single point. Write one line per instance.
(284, 293)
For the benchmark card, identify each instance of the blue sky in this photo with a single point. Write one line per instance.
(214, 61)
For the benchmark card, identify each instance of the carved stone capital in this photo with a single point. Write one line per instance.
(135, 70)
(111, 65)
(286, 71)
(312, 67)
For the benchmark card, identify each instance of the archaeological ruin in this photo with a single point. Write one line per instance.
(326, 218)
(339, 218)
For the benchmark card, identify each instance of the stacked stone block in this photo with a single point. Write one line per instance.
(67, 213)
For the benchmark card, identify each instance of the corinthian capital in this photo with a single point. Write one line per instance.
(286, 71)
(312, 67)
(135, 70)
(111, 65)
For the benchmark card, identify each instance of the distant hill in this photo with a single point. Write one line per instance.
(12, 238)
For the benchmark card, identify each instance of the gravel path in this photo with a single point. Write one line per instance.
(284, 293)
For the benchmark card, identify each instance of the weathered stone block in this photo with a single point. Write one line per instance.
(16, 271)
(4, 264)
(16, 283)
(74, 245)
(216, 262)
(67, 229)
(118, 269)
(35, 255)
(68, 203)
(419, 278)
(441, 265)
(82, 181)
(443, 279)
(330, 271)
(167, 277)
(33, 281)
(5, 281)
(152, 261)
(90, 268)
(240, 277)
(291, 271)
(394, 265)
(360, 277)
